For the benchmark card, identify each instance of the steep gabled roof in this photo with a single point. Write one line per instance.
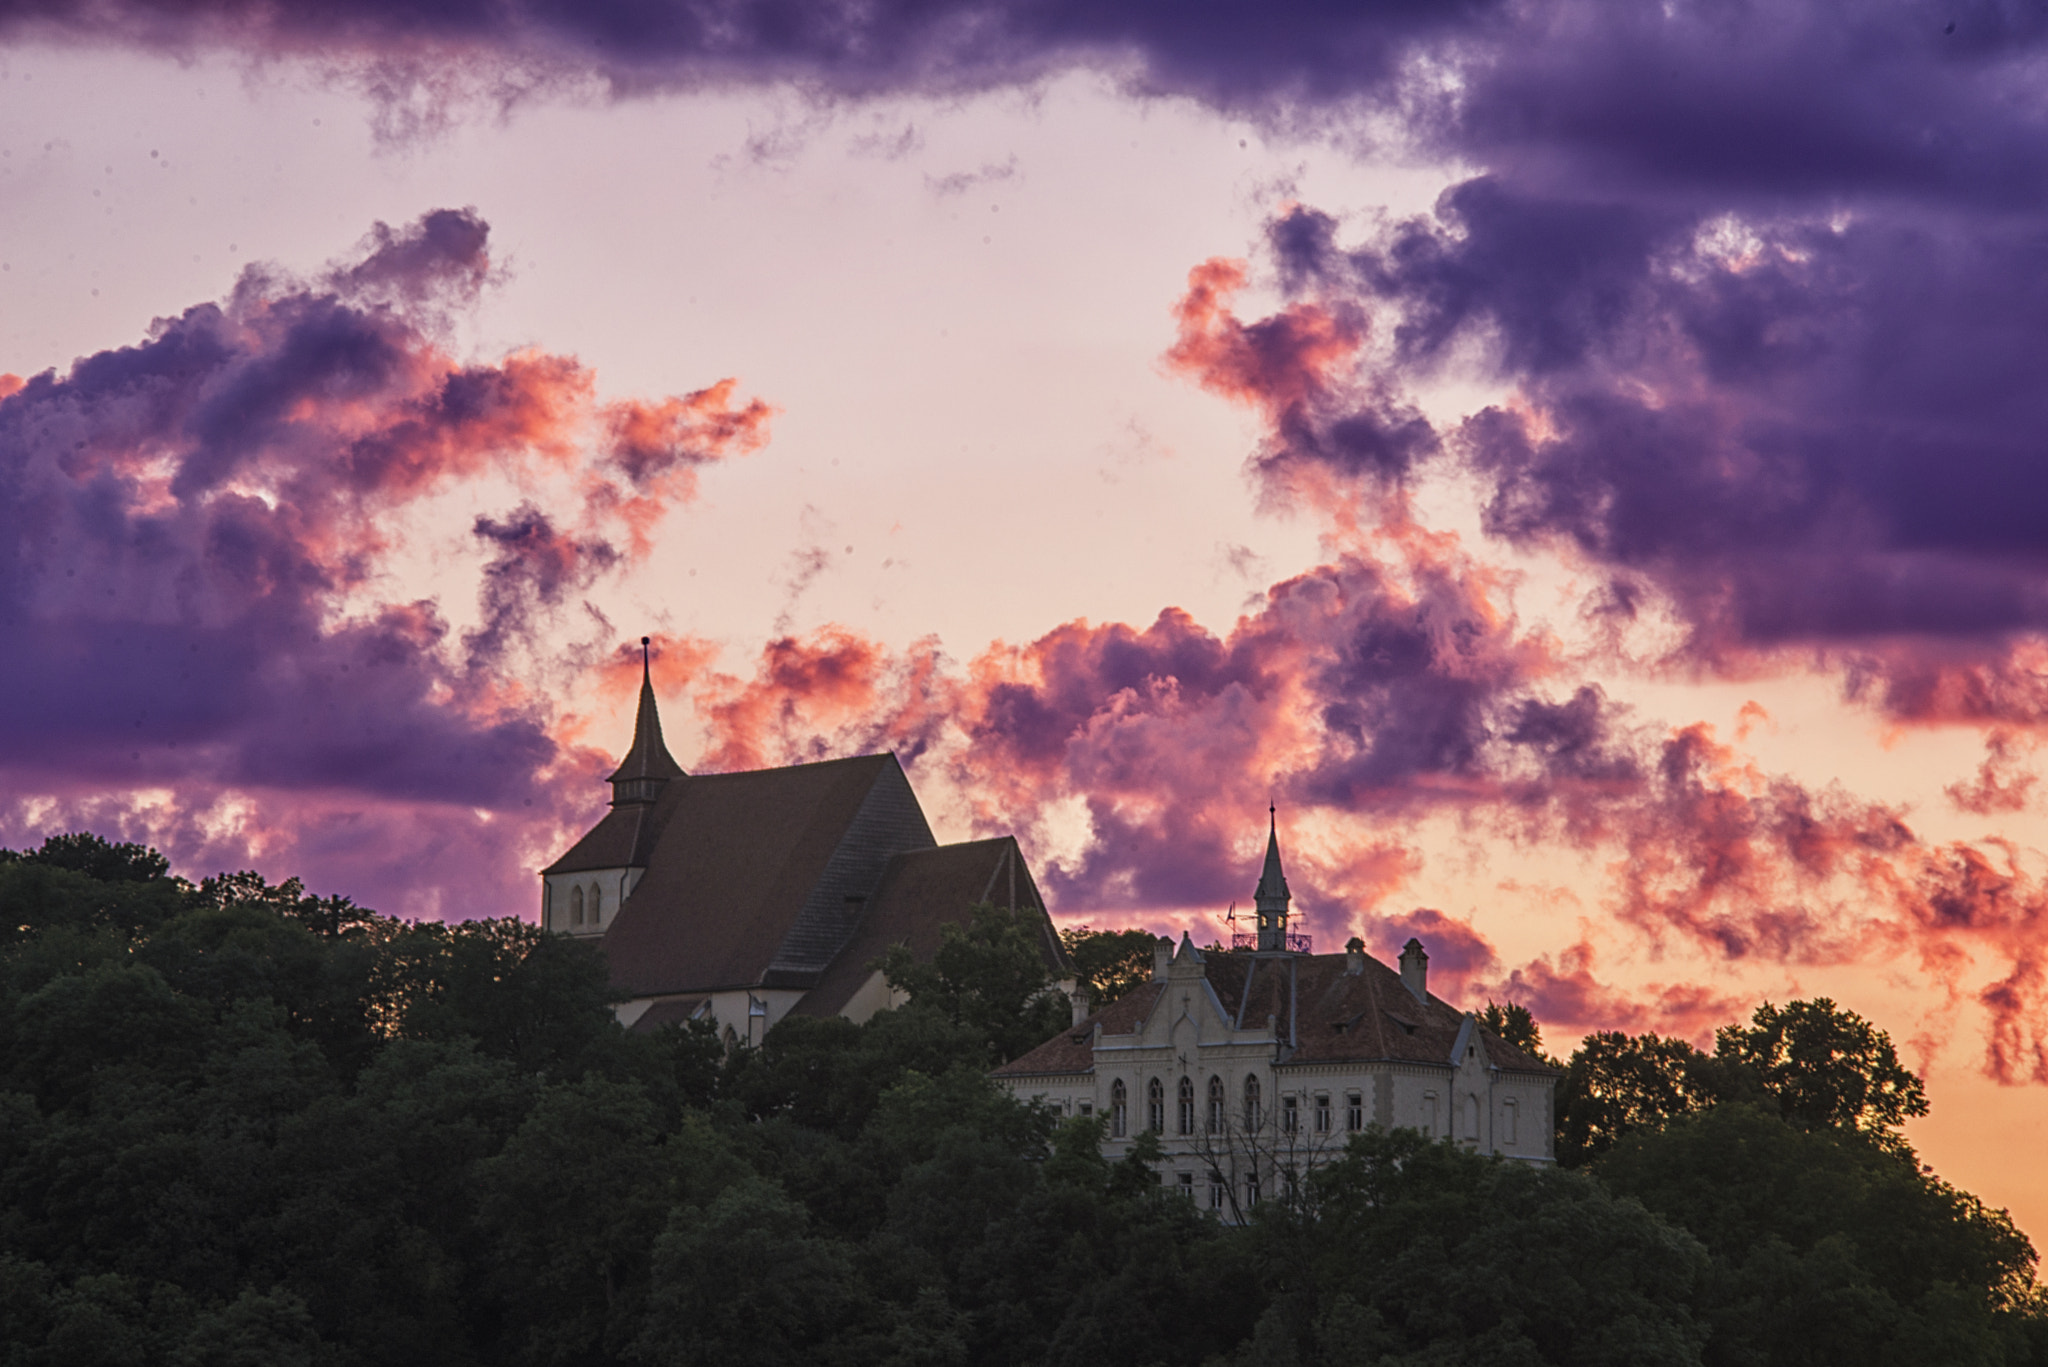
(749, 874)
(920, 892)
(624, 839)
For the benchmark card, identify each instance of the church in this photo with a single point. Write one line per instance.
(1252, 1065)
(746, 897)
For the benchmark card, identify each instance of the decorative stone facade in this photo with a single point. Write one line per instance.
(1253, 1065)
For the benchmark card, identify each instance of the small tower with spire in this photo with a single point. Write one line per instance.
(648, 766)
(582, 891)
(1272, 897)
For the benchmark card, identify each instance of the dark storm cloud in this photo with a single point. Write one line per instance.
(191, 529)
(1224, 52)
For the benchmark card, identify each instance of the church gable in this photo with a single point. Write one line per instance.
(921, 891)
(888, 822)
(738, 864)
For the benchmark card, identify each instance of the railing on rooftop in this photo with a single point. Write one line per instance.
(1249, 939)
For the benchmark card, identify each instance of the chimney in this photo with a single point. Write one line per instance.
(1162, 958)
(1415, 969)
(1354, 957)
(1079, 1000)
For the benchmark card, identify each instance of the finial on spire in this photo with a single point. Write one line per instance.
(648, 764)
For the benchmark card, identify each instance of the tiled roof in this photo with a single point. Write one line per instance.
(749, 874)
(1072, 1051)
(920, 891)
(624, 839)
(1337, 1016)
(673, 1011)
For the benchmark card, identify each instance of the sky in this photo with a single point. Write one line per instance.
(1582, 464)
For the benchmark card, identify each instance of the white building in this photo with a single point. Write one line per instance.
(1251, 1066)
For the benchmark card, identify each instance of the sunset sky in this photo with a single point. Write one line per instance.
(1583, 463)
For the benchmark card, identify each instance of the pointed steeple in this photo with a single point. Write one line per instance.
(1272, 897)
(648, 764)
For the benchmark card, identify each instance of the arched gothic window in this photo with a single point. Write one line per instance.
(596, 904)
(1116, 1109)
(1187, 1105)
(576, 906)
(1471, 1116)
(1155, 1106)
(1251, 1102)
(1215, 1105)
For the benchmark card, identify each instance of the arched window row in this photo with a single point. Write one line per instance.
(586, 910)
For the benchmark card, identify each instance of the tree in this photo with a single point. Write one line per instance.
(100, 859)
(1422, 1252)
(1616, 1083)
(1515, 1025)
(1827, 1248)
(993, 974)
(743, 1282)
(1818, 1066)
(1109, 963)
(1825, 1068)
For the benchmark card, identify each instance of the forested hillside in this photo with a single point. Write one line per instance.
(243, 1125)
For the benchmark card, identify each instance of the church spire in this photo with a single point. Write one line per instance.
(648, 764)
(1272, 897)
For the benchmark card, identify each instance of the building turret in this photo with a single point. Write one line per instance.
(1272, 896)
(648, 766)
(583, 890)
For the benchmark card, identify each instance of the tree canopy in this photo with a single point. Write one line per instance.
(243, 1124)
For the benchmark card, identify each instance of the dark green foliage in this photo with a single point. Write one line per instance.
(1109, 963)
(1406, 1251)
(1514, 1024)
(244, 1125)
(992, 976)
(1823, 1067)
(1828, 1246)
(1615, 1084)
(1816, 1065)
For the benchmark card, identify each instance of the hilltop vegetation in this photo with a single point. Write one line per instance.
(241, 1124)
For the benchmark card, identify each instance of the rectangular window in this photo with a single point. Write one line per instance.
(1507, 1121)
(1187, 1185)
(1215, 1190)
(1086, 1108)
(1251, 1188)
(1429, 1114)
(1290, 1116)
(1322, 1112)
(1354, 1111)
